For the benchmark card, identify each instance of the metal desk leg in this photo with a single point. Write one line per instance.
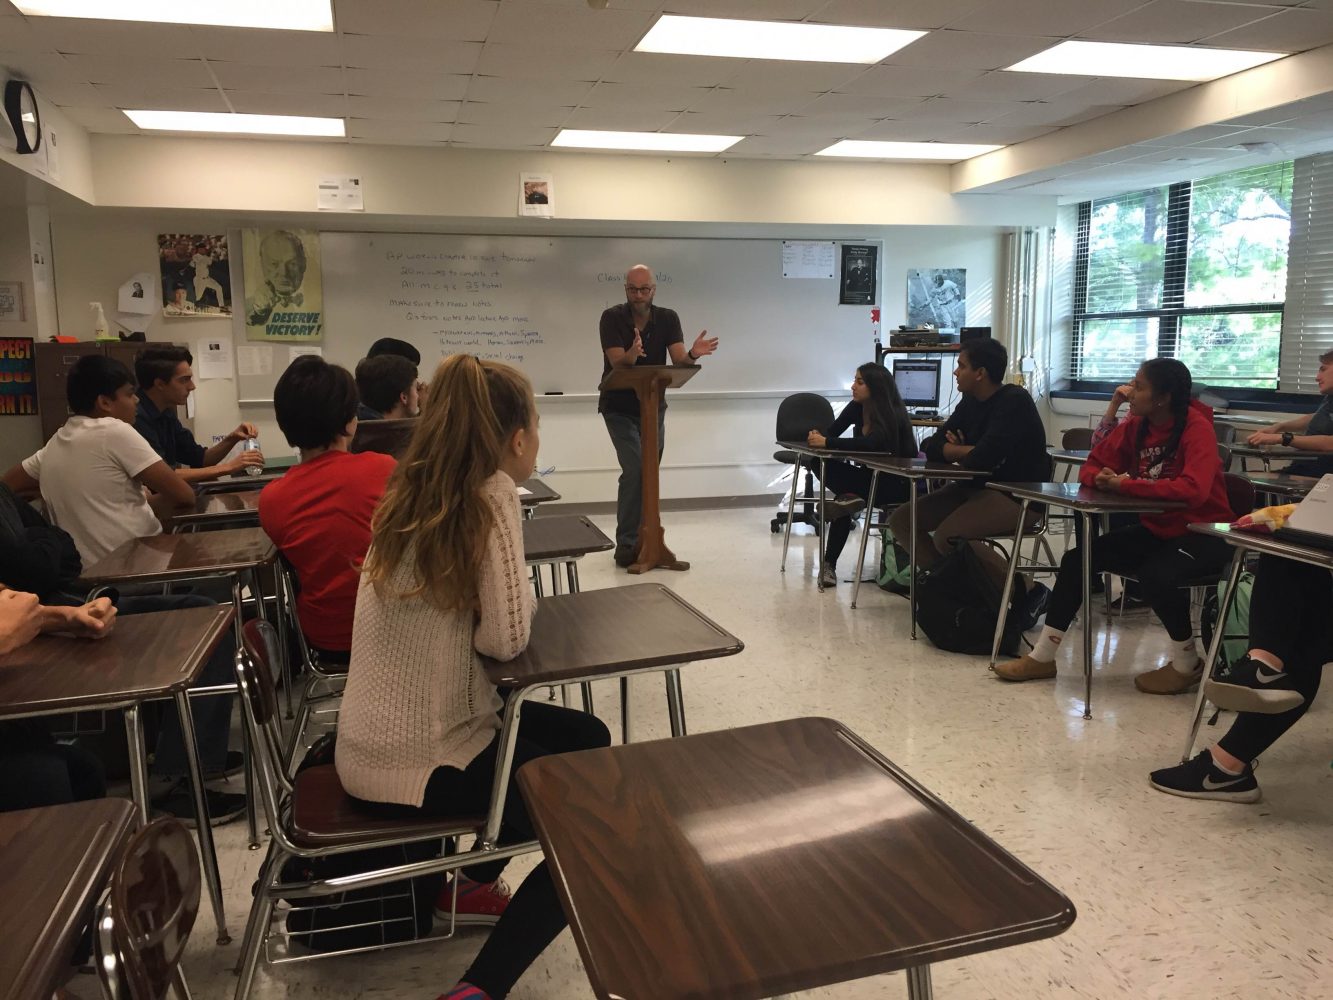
(1214, 647)
(572, 574)
(911, 555)
(819, 573)
(555, 592)
(791, 512)
(624, 710)
(1008, 582)
(504, 760)
(865, 537)
(1087, 613)
(284, 650)
(918, 983)
(675, 702)
(138, 761)
(207, 852)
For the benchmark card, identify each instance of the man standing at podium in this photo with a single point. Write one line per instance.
(638, 332)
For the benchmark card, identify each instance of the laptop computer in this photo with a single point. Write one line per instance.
(1311, 523)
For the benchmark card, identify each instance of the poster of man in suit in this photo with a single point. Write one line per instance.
(284, 297)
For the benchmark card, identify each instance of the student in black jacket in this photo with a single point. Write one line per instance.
(879, 424)
(996, 427)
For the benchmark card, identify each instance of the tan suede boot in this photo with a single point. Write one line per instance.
(1167, 679)
(1025, 668)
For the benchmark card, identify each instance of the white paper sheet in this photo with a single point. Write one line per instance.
(212, 359)
(139, 294)
(523, 491)
(254, 360)
(295, 352)
(339, 194)
(807, 259)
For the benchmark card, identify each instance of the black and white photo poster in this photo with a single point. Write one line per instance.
(937, 296)
(860, 268)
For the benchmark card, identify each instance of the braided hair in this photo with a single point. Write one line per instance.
(1172, 377)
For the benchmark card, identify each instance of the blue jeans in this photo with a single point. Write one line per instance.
(624, 431)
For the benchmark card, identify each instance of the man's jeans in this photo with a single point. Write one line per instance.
(624, 432)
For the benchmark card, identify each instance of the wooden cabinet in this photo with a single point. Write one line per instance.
(53, 362)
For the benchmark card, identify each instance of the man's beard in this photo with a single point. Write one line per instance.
(641, 308)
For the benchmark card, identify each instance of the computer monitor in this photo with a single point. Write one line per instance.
(918, 381)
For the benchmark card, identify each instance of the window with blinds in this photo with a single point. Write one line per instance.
(1308, 330)
(1196, 271)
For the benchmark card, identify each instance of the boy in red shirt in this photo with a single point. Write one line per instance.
(1166, 450)
(318, 514)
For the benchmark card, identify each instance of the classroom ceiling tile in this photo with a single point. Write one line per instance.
(39, 68)
(402, 109)
(723, 99)
(1058, 112)
(998, 85)
(1175, 22)
(537, 62)
(458, 20)
(274, 48)
(581, 26)
(279, 79)
(1107, 90)
(399, 132)
(105, 68)
(653, 68)
(942, 109)
(997, 132)
(502, 89)
(1043, 17)
(161, 97)
(777, 146)
(969, 50)
(914, 14)
(107, 120)
(64, 93)
(767, 10)
(413, 54)
(413, 86)
(622, 120)
(94, 37)
(906, 131)
(839, 126)
(905, 81)
(772, 75)
(501, 137)
(723, 123)
(256, 102)
(860, 104)
(629, 96)
(1286, 31)
(513, 115)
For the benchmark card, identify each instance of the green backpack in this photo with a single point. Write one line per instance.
(889, 570)
(1236, 632)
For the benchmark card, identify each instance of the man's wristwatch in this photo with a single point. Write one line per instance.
(1287, 437)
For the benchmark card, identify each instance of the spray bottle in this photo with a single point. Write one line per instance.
(100, 329)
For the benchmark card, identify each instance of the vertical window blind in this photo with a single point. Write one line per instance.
(1308, 330)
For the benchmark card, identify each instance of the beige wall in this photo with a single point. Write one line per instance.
(19, 436)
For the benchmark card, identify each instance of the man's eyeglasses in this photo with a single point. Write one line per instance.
(639, 289)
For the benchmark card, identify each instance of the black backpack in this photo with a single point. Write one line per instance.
(363, 918)
(957, 603)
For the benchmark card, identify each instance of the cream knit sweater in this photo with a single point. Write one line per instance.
(416, 696)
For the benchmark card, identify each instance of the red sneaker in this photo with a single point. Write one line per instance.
(480, 904)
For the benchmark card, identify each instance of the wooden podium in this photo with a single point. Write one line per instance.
(648, 383)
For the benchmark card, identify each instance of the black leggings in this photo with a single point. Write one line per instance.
(534, 916)
(36, 771)
(1291, 615)
(1161, 565)
(841, 479)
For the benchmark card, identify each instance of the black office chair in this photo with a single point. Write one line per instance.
(799, 414)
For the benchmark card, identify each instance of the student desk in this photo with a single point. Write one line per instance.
(553, 541)
(597, 635)
(913, 470)
(1070, 459)
(1280, 484)
(1266, 453)
(1244, 543)
(242, 481)
(145, 658)
(212, 510)
(537, 493)
(57, 861)
(821, 455)
(1086, 503)
(770, 859)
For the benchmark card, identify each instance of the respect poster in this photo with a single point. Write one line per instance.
(284, 297)
(18, 383)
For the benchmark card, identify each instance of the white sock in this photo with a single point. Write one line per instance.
(1223, 768)
(1047, 645)
(1184, 657)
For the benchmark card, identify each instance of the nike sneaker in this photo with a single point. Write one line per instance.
(1253, 686)
(1200, 778)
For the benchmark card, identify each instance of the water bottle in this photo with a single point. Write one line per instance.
(252, 444)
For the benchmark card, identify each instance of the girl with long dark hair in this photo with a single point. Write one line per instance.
(1165, 450)
(879, 424)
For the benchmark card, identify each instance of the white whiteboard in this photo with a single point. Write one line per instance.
(535, 303)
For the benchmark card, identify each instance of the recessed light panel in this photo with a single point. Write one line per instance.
(951, 152)
(671, 142)
(1147, 62)
(719, 36)
(297, 15)
(222, 122)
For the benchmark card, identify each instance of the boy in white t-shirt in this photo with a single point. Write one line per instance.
(92, 475)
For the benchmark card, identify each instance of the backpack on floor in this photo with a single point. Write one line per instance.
(363, 918)
(957, 603)
(890, 571)
(1236, 633)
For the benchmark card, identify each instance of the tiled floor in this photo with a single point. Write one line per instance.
(1176, 898)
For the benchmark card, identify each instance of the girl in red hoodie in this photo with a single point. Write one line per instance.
(1166, 450)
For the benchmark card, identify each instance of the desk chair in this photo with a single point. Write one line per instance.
(316, 672)
(1076, 439)
(312, 816)
(145, 918)
(799, 414)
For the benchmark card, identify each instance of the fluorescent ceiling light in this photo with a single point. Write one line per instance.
(719, 36)
(1149, 62)
(212, 121)
(951, 151)
(672, 142)
(298, 15)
